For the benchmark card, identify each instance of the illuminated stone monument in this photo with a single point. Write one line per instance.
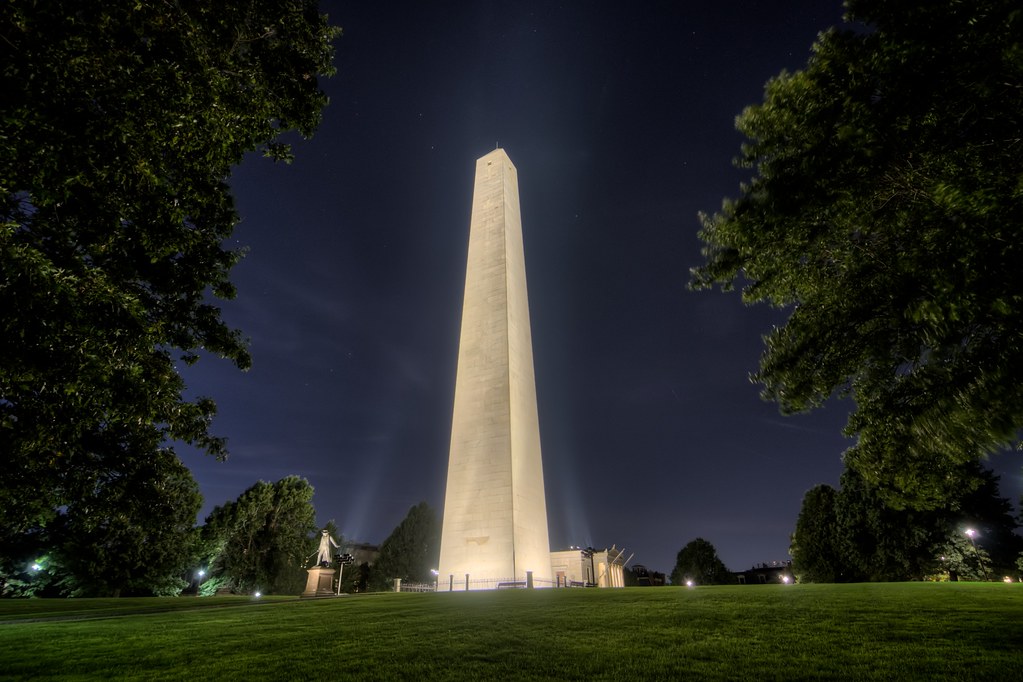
(495, 514)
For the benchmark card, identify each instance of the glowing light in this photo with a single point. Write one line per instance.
(785, 579)
(257, 595)
(36, 567)
(970, 533)
(689, 583)
(201, 573)
(1007, 579)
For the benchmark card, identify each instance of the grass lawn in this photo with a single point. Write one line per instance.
(926, 631)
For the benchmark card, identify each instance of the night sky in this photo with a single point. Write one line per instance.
(620, 120)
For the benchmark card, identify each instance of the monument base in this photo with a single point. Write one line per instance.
(320, 582)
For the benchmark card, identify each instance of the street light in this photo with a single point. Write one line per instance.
(588, 553)
(342, 561)
(982, 569)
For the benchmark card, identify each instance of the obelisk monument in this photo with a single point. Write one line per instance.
(495, 513)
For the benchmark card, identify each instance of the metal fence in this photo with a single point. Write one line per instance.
(416, 587)
(453, 584)
(462, 583)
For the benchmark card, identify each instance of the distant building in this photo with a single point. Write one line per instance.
(588, 567)
(644, 577)
(763, 574)
(362, 552)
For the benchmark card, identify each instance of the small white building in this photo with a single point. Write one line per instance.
(589, 567)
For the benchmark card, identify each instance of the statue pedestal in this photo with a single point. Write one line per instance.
(320, 582)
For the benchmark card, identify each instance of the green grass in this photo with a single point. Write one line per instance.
(926, 631)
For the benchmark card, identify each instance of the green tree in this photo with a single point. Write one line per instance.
(410, 552)
(884, 214)
(121, 122)
(856, 536)
(263, 540)
(880, 543)
(816, 544)
(355, 578)
(133, 534)
(698, 561)
(989, 514)
(958, 559)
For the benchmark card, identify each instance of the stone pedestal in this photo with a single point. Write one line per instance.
(320, 582)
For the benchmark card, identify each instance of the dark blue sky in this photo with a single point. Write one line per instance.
(620, 120)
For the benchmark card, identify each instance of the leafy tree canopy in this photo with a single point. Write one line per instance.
(263, 540)
(410, 551)
(884, 213)
(121, 122)
(851, 535)
(134, 535)
(698, 561)
(816, 548)
(880, 543)
(965, 560)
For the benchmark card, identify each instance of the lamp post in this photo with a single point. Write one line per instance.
(342, 561)
(588, 553)
(198, 580)
(981, 568)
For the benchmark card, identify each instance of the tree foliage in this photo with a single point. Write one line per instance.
(121, 122)
(816, 549)
(410, 552)
(263, 540)
(851, 535)
(883, 544)
(133, 534)
(884, 214)
(355, 578)
(698, 561)
(959, 559)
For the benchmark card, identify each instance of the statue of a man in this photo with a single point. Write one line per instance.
(323, 554)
